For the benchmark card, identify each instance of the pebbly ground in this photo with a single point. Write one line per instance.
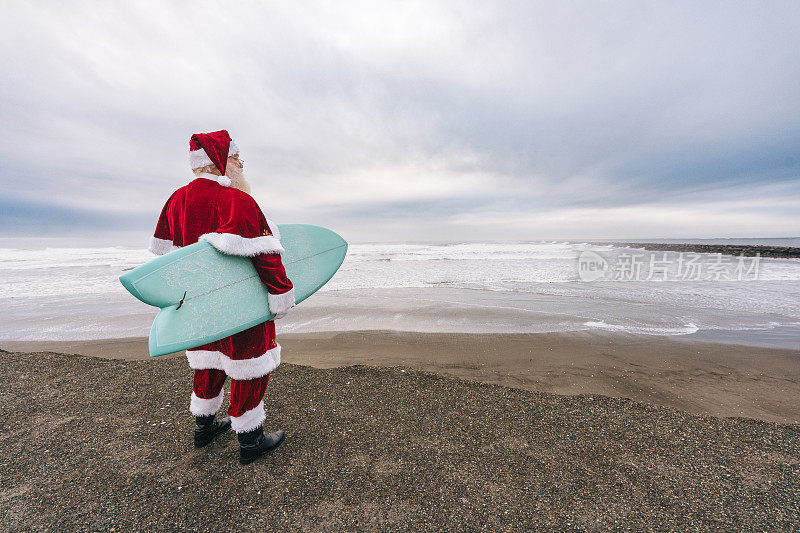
(106, 445)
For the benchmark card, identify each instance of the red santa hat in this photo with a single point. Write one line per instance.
(211, 148)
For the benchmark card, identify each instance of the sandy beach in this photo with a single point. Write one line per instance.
(101, 444)
(702, 378)
(412, 431)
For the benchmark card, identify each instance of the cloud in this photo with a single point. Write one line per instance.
(49, 219)
(539, 118)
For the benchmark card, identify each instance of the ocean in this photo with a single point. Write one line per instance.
(524, 287)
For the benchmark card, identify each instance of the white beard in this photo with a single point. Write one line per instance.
(238, 181)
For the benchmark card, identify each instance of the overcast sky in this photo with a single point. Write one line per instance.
(409, 121)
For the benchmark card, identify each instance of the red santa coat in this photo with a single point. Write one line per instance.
(231, 221)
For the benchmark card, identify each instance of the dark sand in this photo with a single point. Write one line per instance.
(701, 378)
(105, 445)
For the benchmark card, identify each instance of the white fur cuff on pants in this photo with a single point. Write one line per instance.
(205, 406)
(249, 420)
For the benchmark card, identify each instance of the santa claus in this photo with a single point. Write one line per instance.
(217, 207)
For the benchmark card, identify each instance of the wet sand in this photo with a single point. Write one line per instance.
(701, 378)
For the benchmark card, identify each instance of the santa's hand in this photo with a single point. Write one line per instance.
(280, 315)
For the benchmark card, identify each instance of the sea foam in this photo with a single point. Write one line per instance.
(74, 293)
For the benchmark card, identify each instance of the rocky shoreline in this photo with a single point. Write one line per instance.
(98, 444)
(725, 249)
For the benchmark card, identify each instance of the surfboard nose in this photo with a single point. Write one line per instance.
(127, 282)
(156, 283)
(150, 291)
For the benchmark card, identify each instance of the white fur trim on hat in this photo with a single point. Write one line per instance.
(250, 420)
(161, 246)
(222, 180)
(231, 244)
(199, 158)
(241, 369)
(205, 406)
(280, 303)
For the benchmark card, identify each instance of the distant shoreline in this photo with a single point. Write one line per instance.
(749, 250)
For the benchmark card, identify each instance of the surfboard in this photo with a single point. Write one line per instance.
(205, 295)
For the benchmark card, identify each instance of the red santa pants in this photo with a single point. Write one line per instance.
(247, 358)
(246, 395)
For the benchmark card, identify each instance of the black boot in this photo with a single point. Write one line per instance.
(209, 427)
(254, 444)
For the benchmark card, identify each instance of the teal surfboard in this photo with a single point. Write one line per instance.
(205, 295)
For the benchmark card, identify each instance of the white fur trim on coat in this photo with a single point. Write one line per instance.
(199, 158)
(231, 244)
(161, 246)
(205, 406)
(241, 369)
(280, 303)
(249, 420)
